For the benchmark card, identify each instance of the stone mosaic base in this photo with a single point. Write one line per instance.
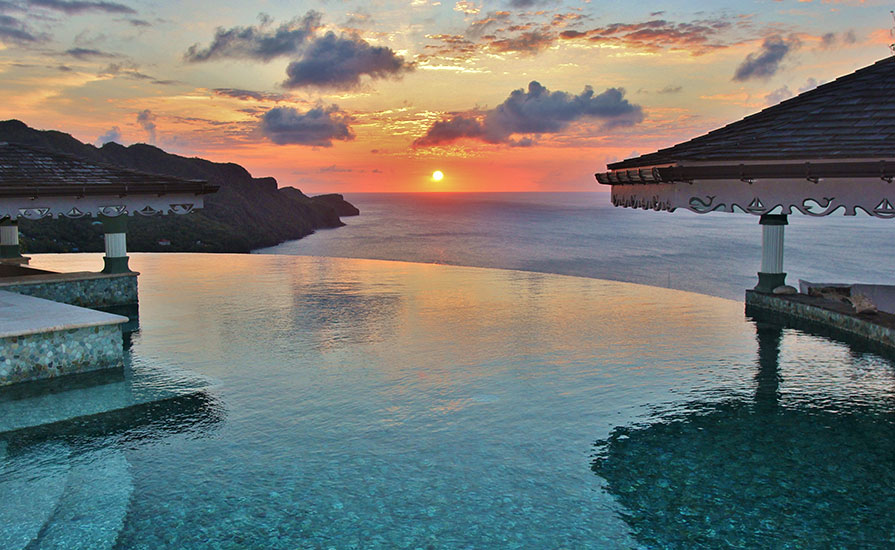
(93, 292)
(51, 354)
(845, 327)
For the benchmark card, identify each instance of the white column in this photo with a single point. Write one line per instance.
(9, 235)
(772, 248)
(116, 245)
(9, 241)
(771, 275)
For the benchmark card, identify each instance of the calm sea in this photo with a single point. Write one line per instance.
(583, 234)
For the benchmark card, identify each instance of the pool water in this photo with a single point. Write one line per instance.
(332, 403)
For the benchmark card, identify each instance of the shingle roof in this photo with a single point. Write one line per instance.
(31, 171)
(851, 117)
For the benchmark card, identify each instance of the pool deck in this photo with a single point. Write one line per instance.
(44, 339)
(827, 317)
(22, 315)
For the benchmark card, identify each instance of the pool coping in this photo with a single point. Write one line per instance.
(51, 277)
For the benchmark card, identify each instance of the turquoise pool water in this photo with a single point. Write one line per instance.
(298, 402)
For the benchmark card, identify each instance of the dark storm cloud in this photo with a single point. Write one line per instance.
(319, 126)
(764, 63)
(75, 7)
(257, 42)
(339, 62)
(536, 111)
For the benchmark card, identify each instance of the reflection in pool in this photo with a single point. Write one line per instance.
(760, 472)
(365, 404)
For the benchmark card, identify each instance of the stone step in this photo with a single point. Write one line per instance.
(31, 485)
(93, 507)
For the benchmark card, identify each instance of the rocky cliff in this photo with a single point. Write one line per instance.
(246, 213)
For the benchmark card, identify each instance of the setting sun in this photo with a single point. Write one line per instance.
(438, 175)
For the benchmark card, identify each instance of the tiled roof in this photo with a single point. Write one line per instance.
(851, 117)
(30, 171)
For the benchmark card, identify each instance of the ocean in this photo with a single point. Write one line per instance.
(582, 234)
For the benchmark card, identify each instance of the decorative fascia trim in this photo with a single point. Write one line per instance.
(92, 206)
(873, 196)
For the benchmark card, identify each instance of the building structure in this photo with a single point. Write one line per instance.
(828, 150)
(37, 184)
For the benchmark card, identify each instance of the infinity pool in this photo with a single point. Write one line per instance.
(297, 402)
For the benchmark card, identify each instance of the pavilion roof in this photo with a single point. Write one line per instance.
(852, 117)
(27, 171)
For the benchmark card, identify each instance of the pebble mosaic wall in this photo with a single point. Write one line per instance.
(846, 325)
(51, 354)
(93, 293)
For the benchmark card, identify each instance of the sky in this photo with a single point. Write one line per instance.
(375, 96)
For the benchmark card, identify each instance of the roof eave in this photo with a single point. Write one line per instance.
(811, 171)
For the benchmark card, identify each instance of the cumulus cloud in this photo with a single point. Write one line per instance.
(114, 134)
(535, 111)
(318, 127)
(778, 95)
(452, 129)
(810, 84)
(257, 42)
(75, 7)
(339, 62)
(146, 120)
(765, 63)
(832, 40)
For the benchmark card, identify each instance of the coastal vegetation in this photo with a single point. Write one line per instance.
(245, 214)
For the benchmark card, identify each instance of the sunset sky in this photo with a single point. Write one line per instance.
(348, 96)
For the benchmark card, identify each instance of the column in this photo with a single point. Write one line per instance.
(9, 239)
(771, 275)
(116, 244)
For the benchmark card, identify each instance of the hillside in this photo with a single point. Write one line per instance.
(245, 214)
